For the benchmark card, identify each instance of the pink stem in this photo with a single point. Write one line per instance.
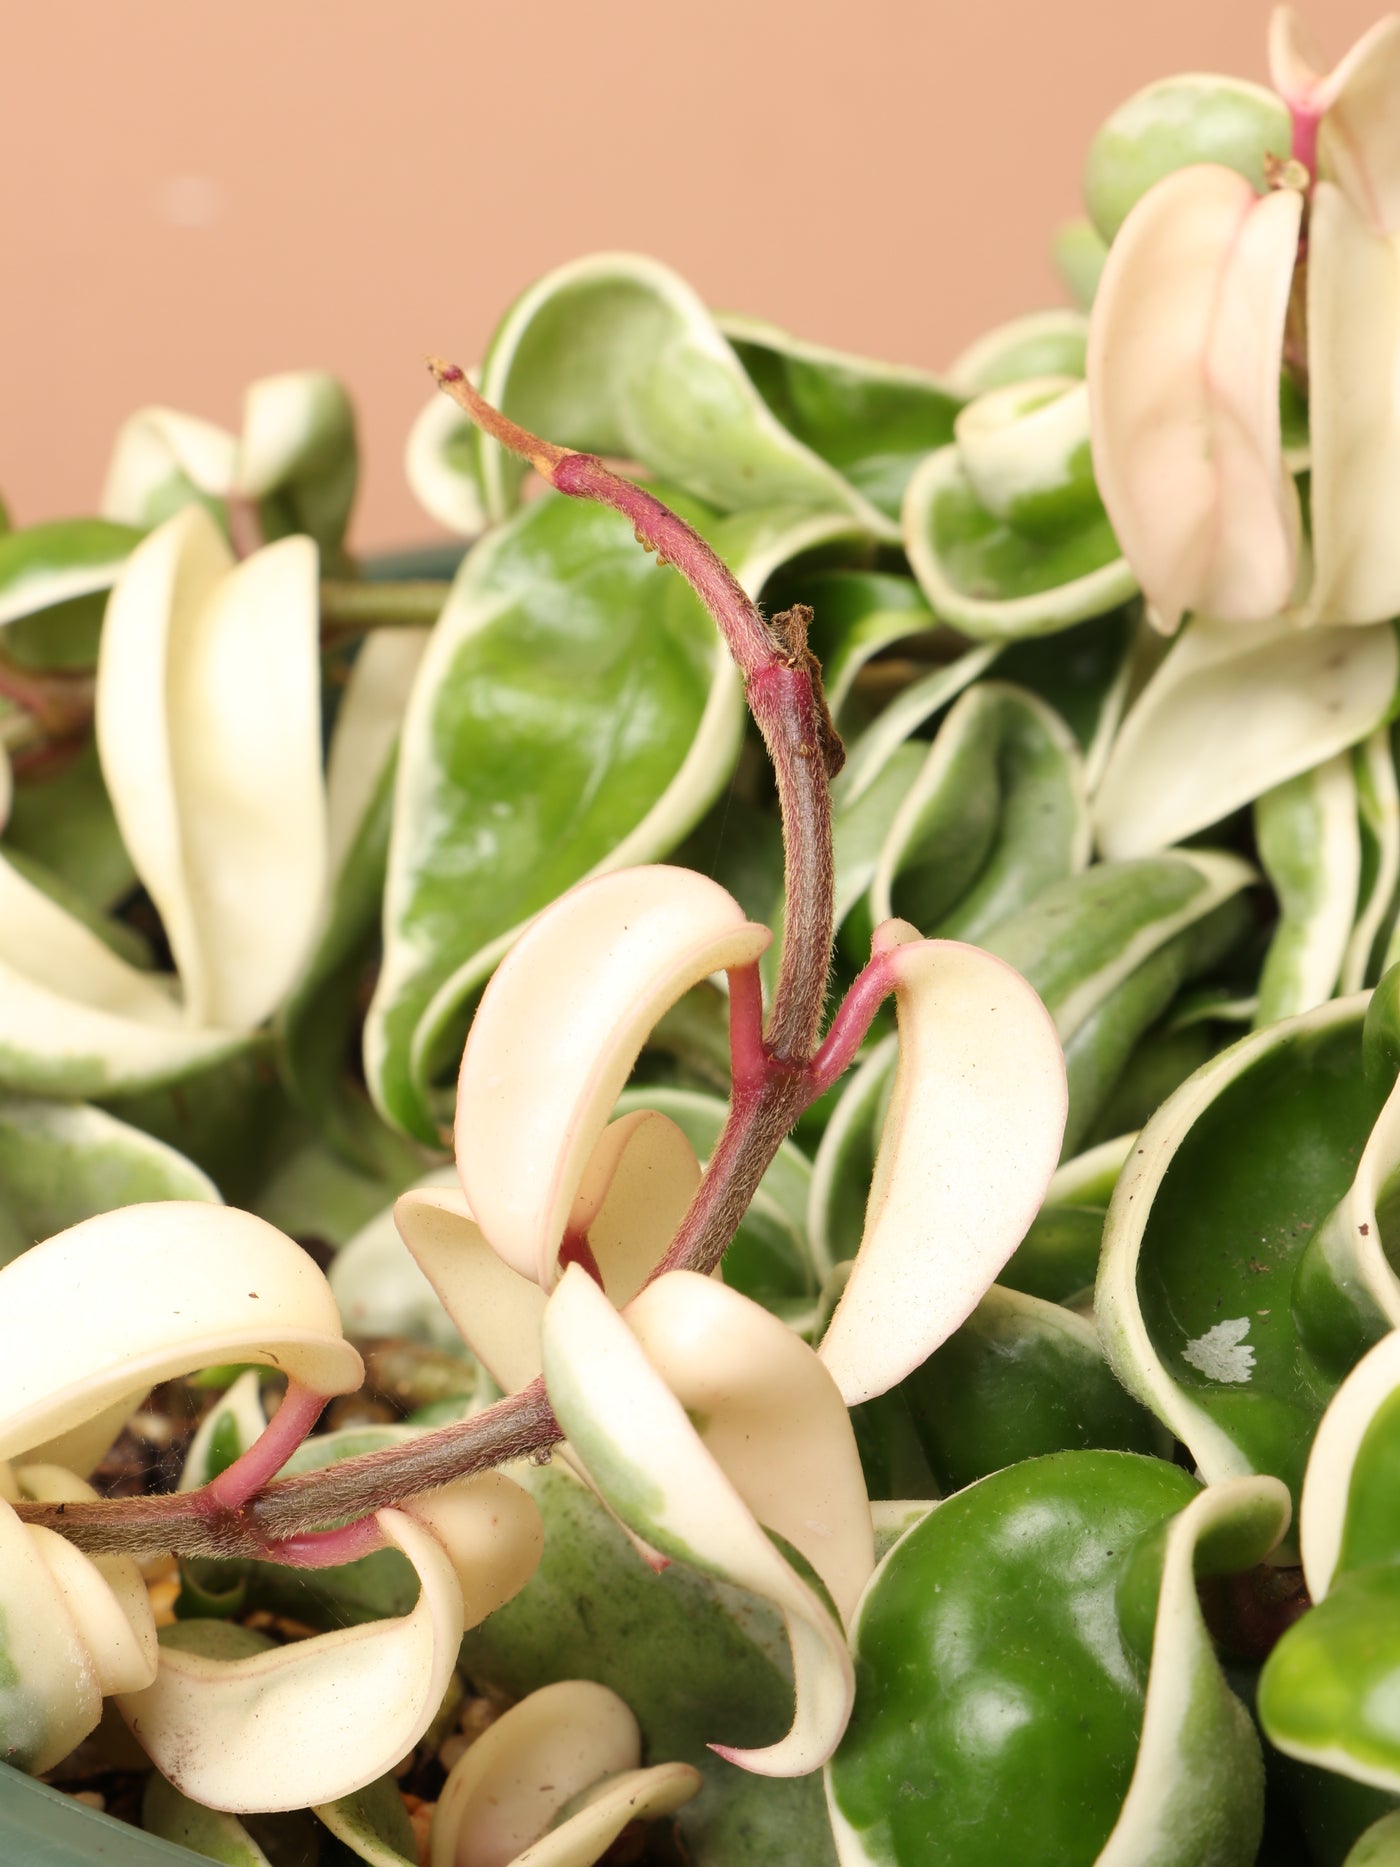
(325, 1549)
(748, 1060)
(1306, 119)
(872, 986)
(300, 1409)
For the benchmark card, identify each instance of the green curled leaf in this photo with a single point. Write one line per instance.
(1243, 1272)
(616, 355)
(1062, 1582)
(872, 421)
(1005, 530)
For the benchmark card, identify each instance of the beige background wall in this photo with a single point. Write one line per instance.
(194, 193)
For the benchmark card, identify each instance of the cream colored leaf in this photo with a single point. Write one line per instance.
(558, 1030)
(497, 1311)
(570, 1750)
(493, 1534)
(1353, 367)
(770, 1415)
(969, 1144)
(52, 1696)
(313, 1721)
(1322, 1507)
(1185, 348)
(91, 1319)
(208, 726)
(652, 1467)
(1231, 713)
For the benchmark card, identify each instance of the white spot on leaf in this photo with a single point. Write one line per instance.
(1220, 1353)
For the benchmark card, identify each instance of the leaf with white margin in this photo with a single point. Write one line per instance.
(872, 421)
(557, 1033)
(1005, 530)
(625, 1388)
(576, 712)
(1243, 1268)
(902, 718)
(630, 1198)
(997, 813)
(161, 460)
(441, 465)
(1379, 1846)
(61, 1162)
(1109, 948)
(1358, 146)
(297, 456)
(1071, 1575)
(1327, 1691)
(1185, 347)
(208, 724)
(46, 565)
(72, 1629)
(1043, 343)
(616, 355)
(1233, 711)
(553, 1781)
(1378, 812)
(317, 1720)
(93, 1318)
(1353, 344)
(75, 1019)
(969, 1142)
(1310, 848)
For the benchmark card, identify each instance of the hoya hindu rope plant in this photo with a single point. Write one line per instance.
(1006, 1399)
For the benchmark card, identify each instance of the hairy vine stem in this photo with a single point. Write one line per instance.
(778, 1068)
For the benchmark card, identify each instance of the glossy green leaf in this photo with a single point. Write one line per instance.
(1242, 1272)
(1005, 530)
(873, 422)
(1045, 343)
(1042, 1628)
(1084, 673)
(902, 718)
(1058, 1259)
(1310, 848)
(682, 1650)
(1108, 949)
(996, 815)
(1020, 1378)
(61, 1162)
(1379, 1846)
(1177, 122)
(616, 355)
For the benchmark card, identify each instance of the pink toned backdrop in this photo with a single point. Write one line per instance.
(196, 193)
